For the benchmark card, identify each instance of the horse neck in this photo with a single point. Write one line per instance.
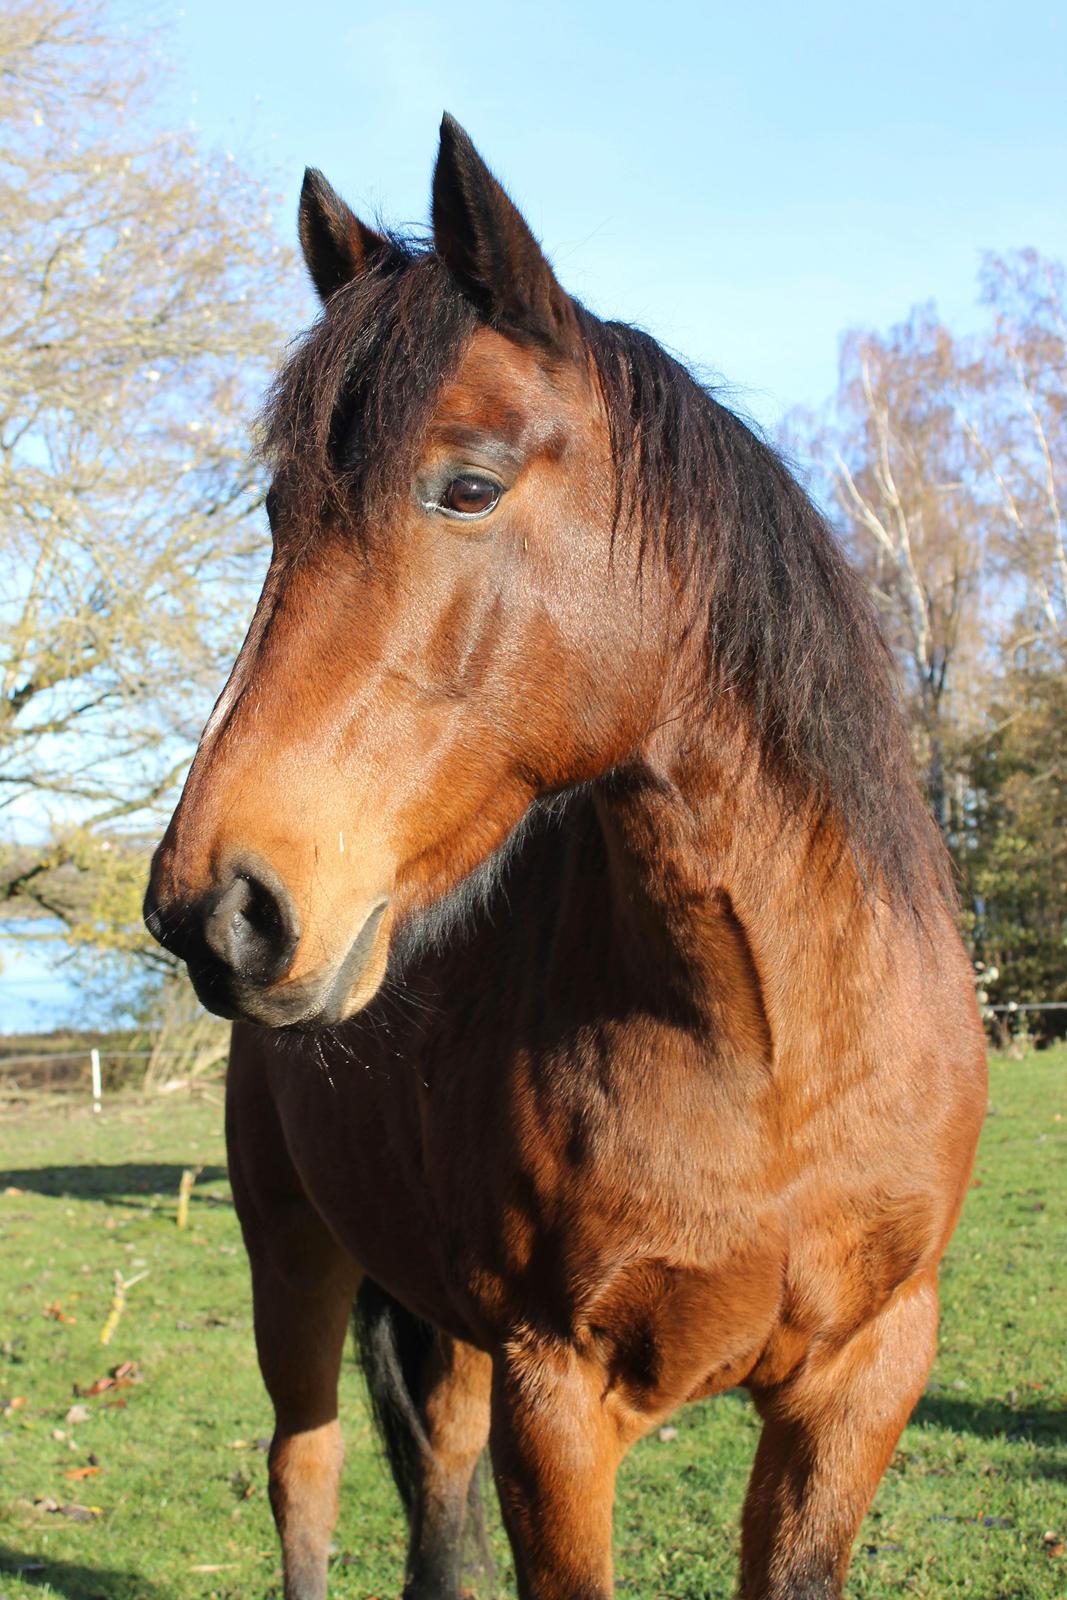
(725, 896)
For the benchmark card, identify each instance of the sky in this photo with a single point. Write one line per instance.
(744, 181)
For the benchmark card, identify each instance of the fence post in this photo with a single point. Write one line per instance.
(94, 1059)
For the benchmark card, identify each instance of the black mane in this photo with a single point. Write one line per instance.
(789, 630)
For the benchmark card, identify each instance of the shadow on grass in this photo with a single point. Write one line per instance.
(76, 1582)
(992, 1419)
(125, 1181)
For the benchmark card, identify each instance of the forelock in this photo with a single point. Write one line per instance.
(344, 419)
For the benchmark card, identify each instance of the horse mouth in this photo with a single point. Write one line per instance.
(302, 1005)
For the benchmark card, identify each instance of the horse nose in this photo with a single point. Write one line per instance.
(251, 926)
(246, 927)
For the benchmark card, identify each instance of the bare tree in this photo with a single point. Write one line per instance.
(1018, 427)
(141, 298)
(901, 471)
(945, 464)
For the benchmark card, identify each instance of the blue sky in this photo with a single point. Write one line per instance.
(746, 182)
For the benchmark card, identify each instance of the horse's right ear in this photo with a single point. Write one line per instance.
(337, 246)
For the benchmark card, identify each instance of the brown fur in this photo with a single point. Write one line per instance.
(660, 1069)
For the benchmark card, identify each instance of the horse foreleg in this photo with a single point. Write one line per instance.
(301, 1319)
(556, 1448)
(430, 1394)
(455, 1414)
(828, 1434)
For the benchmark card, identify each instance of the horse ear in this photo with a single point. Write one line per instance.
(337, 246)
(487, 246)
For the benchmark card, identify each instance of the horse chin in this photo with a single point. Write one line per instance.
(305, 1005)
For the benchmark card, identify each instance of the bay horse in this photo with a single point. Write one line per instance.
(601, 1028)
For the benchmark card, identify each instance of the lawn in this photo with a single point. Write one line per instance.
(152, 1486)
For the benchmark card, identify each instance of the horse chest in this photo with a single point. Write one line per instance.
(584, 1204)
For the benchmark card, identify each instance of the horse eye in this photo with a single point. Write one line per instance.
(470, 496)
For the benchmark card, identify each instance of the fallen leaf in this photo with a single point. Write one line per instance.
(668, 1435)
(45, 1502)
(81, 1472)
(80, 1513)
(119, 1377)
(78, 1414)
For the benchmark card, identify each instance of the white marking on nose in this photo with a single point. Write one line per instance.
(341, 843)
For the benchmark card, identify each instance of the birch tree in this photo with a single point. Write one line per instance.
(1017, 424)
(910, 505)
(944, 464)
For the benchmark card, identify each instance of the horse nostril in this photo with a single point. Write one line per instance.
(252, 926)
(153, 915)
(170, 926)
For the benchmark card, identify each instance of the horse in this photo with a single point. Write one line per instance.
(602, 1033)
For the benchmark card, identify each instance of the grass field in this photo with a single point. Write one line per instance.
(152, 1488)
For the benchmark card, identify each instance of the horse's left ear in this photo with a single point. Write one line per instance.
(337, 246)
(487, 246)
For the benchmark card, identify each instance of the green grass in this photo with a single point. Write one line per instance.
(177, 1508)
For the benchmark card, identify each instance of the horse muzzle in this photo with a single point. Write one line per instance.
(239, 941)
